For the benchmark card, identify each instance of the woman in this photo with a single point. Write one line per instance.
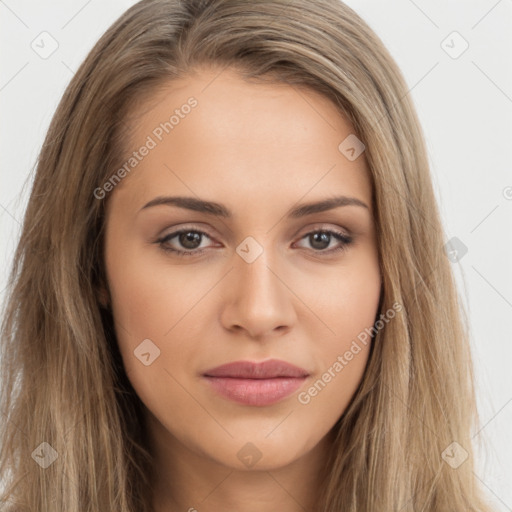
(231, 289)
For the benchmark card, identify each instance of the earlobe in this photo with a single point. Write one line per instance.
(103, 296)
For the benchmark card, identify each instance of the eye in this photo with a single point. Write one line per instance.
(321, 239)
(190, 240)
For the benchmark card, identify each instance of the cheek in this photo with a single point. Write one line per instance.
(150, 305)
(344, 299)
(153, 299)
(347, 307)
(148, 299)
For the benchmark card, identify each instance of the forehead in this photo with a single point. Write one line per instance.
(212, 133)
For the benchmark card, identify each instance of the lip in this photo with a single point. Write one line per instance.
(257, 384)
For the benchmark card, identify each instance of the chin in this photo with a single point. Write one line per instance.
(259, 454)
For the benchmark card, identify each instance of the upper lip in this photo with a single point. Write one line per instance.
(253, 370)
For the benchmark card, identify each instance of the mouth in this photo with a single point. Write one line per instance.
(256, 384)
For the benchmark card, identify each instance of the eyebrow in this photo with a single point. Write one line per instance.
(219, 210)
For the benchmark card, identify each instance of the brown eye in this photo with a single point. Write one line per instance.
(188, 240)
(321, 239)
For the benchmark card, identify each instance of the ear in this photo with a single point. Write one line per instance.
(103, 296)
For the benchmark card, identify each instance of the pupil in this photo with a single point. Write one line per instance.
(189, 238)
(323, 238)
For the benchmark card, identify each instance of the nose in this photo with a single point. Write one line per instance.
(257, 299)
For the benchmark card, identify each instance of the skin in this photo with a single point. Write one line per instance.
(259, 149)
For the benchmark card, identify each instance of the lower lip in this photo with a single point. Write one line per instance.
(256, 391)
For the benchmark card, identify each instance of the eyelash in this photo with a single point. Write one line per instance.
(344, 239)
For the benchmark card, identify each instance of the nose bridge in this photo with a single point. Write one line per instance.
(256, 277)
(259, 300)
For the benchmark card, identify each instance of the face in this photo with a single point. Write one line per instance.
(241, 270)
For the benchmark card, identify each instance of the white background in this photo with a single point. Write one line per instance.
(464, 105)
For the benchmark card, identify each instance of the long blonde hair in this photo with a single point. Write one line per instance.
(65, 392)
